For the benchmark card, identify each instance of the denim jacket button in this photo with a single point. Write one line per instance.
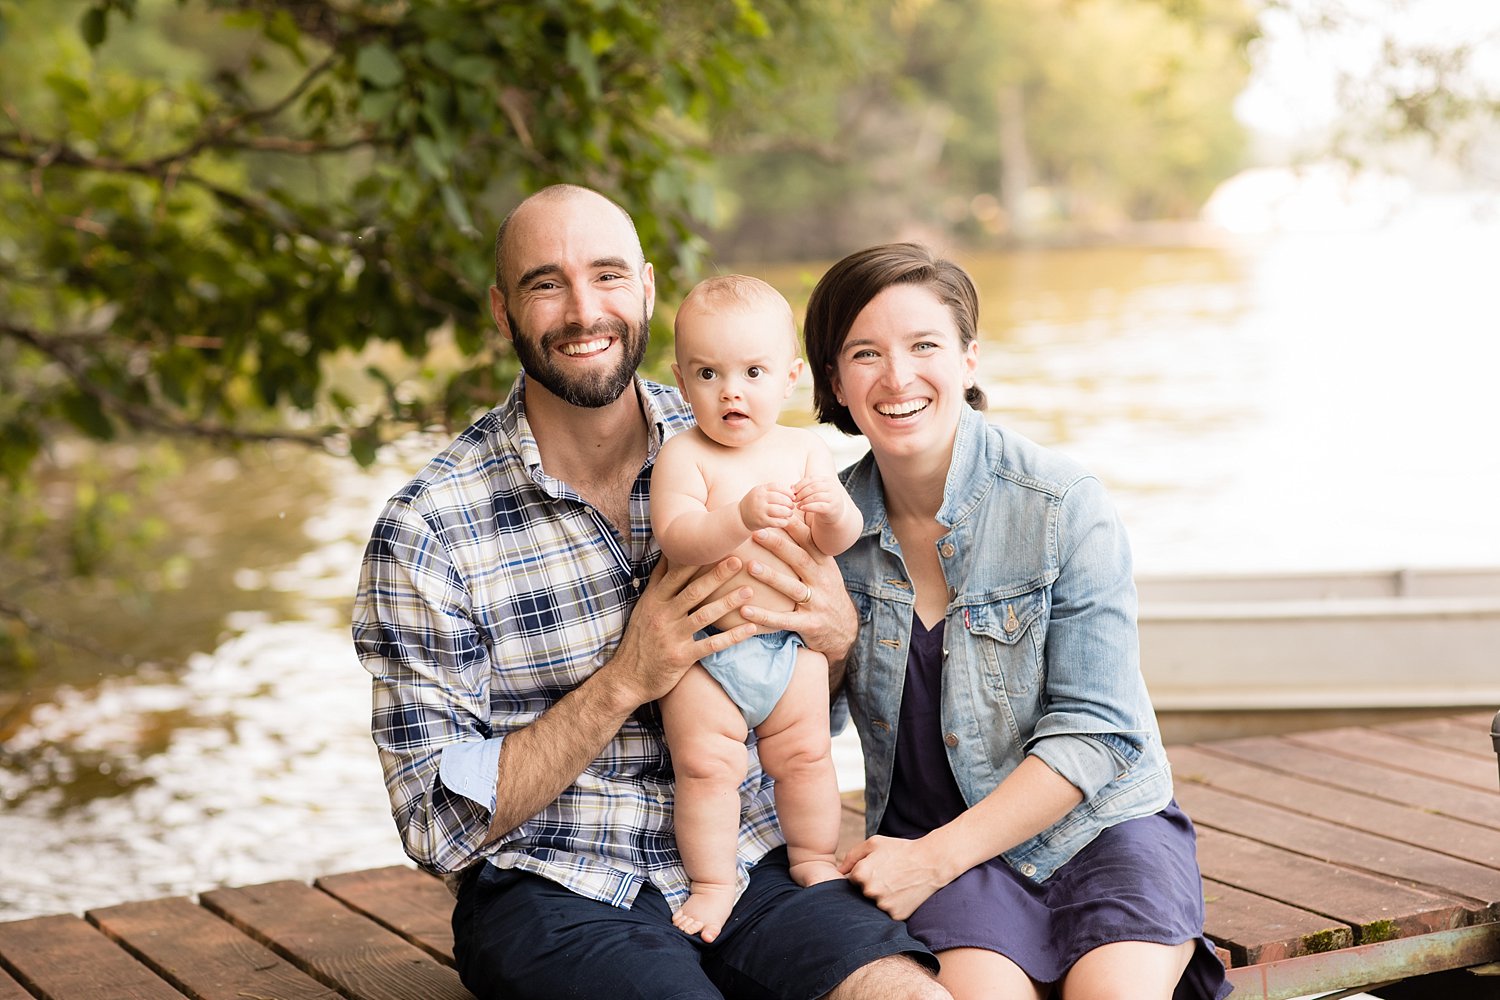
(951, 739)
(1028, 869)
(947, 550)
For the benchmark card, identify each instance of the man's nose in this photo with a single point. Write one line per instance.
(585, 306)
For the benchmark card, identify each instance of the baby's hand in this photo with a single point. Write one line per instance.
(767, 506)
(819, 497)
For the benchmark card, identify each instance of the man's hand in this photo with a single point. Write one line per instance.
(658, 647)
(540, 760)
(825, 619)
(767, 506)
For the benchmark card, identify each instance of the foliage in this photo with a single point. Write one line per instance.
(989, 118)
(235, 221)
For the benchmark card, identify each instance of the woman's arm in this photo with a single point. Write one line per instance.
(899, 875)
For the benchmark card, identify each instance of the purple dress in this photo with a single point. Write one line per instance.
(1136, 881)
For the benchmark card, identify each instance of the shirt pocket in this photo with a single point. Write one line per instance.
(1010, 633)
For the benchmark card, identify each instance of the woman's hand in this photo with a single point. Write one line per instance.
(823, 615)
(897, 875)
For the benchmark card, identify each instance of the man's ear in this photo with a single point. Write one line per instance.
(497, 311)
(648, 285)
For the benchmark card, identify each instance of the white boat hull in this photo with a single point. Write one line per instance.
(1400, 639)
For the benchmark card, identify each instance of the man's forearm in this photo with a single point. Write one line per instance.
(538, 762)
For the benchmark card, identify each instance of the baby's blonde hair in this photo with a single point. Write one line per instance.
(739, 292)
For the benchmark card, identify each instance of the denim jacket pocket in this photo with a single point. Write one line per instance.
(1011, 631)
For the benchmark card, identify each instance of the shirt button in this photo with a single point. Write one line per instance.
(951, 739)
(661, 799)
(1028, 869)
(947, 550)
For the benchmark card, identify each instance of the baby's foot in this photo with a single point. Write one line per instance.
(705, 911)
(806, 873)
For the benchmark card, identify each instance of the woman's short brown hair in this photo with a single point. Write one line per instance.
(848, 286)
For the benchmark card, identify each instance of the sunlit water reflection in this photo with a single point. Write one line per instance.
(1300, 401)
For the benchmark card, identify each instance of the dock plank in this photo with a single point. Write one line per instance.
(1367, 778)
(1418, 827)
(1375, 909)
(334, 944)
(1417, 867)
(1254, 929)
(414, 904)
(203, 956)
(12, 990)
(64, 957)
(1454, 732)
(1407, 755)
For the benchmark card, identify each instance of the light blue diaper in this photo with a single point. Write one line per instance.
(754, 673)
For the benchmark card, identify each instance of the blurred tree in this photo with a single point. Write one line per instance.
(204, 204)
(986, 118)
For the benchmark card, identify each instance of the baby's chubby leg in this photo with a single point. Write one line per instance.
(795, 750)
(706, 733)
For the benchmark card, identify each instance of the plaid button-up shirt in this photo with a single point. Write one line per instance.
(489, 590)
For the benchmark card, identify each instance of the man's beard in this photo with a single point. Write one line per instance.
(592, 391)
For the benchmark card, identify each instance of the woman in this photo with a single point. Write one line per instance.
(1015, 776)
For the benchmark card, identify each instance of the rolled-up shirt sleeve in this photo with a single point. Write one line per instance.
(431, 670)
(1092, 730)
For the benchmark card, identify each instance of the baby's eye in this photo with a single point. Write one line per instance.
(707, 374)
(754, 372)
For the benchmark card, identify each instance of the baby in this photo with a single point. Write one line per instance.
(737, 471)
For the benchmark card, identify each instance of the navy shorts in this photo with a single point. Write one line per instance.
(517, 936)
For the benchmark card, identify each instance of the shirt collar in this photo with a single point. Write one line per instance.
(968, 481)
(513, 422)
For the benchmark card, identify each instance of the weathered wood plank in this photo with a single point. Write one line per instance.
(334, 944)
(12, 990)
(1416, 790)
(1347, 848)
(204, 956)
(414, 904)
(64, 958)
(1469, 735)
(1254, 929)
(1395, 752)
(1444, 834)
(1375, 909)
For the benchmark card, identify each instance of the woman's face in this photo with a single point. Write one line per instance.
(902, 373)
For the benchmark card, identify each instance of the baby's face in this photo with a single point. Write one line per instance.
(736, 368)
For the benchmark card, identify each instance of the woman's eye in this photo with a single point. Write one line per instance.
(924, 346)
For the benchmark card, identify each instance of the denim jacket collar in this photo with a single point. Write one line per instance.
(970, 477)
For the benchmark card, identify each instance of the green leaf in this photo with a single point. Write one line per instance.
(581, 57)
(430, 158)
(378, 66)
(457, 210)
(83, 411)
(283, 30)
(94, 26)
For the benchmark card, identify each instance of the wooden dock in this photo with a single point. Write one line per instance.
(1334, 859)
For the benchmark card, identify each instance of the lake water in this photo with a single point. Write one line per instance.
(1308, 400)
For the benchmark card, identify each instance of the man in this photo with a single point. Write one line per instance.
(518, 635)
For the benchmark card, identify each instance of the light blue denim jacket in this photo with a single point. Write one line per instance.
(1040, 652)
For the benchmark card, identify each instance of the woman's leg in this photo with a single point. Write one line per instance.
(795, 750)
(979, 974)
(706, 733)
(1128, 970)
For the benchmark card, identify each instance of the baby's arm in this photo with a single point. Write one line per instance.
(830, 512)
(687, 531)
